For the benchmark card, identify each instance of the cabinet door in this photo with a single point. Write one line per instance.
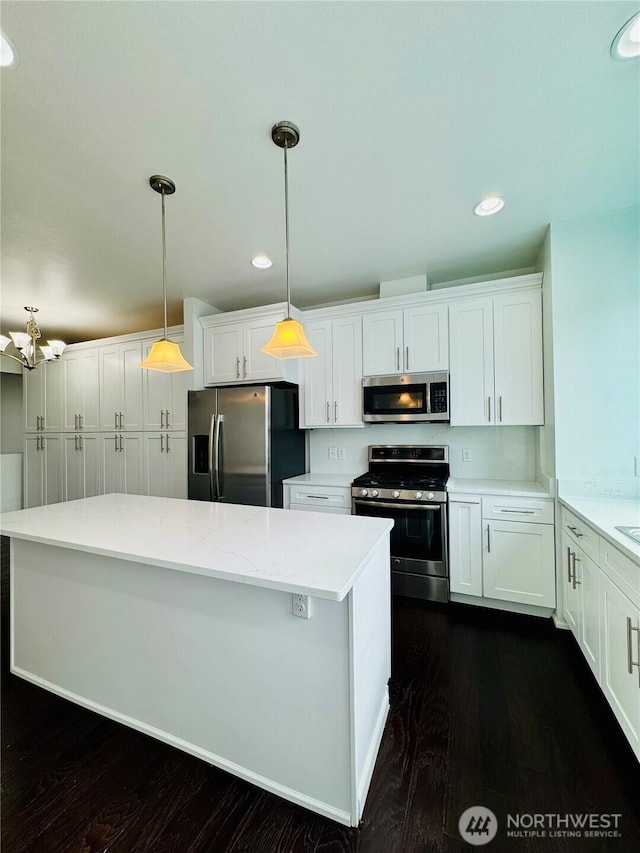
(587, 579)
(33, 488)
(471, 363)
(517, 341)
(156, 475)
(81, 385)
(176, 462)
(518, 562)
(223, 353)
(33, 390)
(132, 379)
(72, 390)
(53, 397)
(90, 410)
(110, 388)
(73, 467)
(53, 470)
(257, 366)
(571, 593)
(465, 546)
(111, 463)
(165, 397)
(90, 452)
(382, 343)
(620, 674)
(131, 453)
(346, 349)
(318, 388)
(426, 338)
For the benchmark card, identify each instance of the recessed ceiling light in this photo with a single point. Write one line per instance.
(488, 206)
(261, 262)
(626, 44)
(8, 54)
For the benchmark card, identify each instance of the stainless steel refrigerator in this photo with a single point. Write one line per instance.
(243, 441)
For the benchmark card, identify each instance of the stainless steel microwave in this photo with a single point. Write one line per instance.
(406, 399)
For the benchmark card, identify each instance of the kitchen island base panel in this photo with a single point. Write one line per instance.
(218, 669)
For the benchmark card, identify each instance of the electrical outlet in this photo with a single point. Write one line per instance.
(341, 453)
(333, 453)
(466, 455)
(301, 606)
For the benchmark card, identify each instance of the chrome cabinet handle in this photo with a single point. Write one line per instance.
(121, 421)
(75, 421)
(335, 411)
(489, 408)
(115, 438)
(161, 444)
(244, 367)
(576, 582)
(630, 661)
(397, 358)
(488, 539)
(81, 418)
(121, 447)
(328, 414)
(575, 531)
(500, 409)
(407, 357)
(161, 418)
(238, 367)
(115, 415)
(81, 443)
(76, 441)
(167, 444)
(568, 564)
(167, 416)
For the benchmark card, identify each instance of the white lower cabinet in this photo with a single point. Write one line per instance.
(43, 481)
(495, 557)
(620, 645)
(122, 462)
(81, 465)
(165, 464)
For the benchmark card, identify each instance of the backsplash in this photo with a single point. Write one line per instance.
(497, 453)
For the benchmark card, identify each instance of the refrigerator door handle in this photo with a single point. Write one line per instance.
(216, 455)
(210, 460)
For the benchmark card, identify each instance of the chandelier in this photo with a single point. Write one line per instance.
(25, 344)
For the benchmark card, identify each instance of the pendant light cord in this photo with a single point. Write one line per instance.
(286, 227)
(164, 269)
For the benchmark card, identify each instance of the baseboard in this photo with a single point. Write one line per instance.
(317, 806)
(559, 622)
(510, 607)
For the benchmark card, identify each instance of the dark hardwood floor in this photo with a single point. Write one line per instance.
(487, 709)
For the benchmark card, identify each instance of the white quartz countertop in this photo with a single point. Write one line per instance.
(512, 488)
(605, 514)
(307, 553)
(338, 480)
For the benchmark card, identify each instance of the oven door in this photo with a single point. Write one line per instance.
(418, 536)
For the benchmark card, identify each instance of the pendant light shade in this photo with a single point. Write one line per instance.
(289, 339)
(165, 355)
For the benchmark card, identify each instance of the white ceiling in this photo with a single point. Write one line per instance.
(409, 113)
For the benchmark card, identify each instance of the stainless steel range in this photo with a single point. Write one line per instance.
(408, 484)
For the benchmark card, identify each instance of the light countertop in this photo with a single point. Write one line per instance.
(307, 553)
(605, 514)
(338, 480)
(512, 488)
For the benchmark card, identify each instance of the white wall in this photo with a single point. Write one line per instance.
(596, 345)
(11, 424)
(496, 452)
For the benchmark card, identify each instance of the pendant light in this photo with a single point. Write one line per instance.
(25, 344)
(289, 339)
(165, 355)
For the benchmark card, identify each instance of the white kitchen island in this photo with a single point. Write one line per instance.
(176, 618)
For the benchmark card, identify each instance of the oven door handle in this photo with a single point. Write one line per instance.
(398, 505)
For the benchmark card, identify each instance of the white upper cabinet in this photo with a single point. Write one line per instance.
(34, 399)
(233, 348)
(81, 390)
(332, 389)
(496, 360)
(410, 340)
(121, 386)
(165, 395)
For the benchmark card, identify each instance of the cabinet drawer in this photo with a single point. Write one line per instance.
(533, 510)
(621, 569)
(583, 535)
(320, 496)
(334, 510)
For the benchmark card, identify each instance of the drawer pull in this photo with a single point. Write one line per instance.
(520, 511)
(319, 497)
(575, 531)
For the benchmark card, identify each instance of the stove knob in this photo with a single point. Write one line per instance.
(364, 492)
(431, 496)
(395, 494)
(418, 495)
(375, 493)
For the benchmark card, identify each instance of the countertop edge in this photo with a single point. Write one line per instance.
(616, 539)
